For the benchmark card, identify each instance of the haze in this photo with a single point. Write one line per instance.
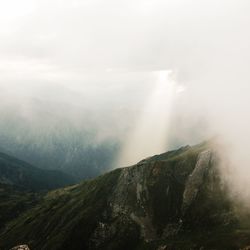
(94, 64)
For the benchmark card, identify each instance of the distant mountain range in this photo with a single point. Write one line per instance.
(27, 177)
(57, 136)
(176, 200)
(70, 152)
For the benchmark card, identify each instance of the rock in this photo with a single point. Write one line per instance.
(163, 247)
(195, 180)
(20, 247)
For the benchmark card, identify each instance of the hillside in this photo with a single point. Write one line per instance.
(175, 200)
(25, 176)
(14, 201)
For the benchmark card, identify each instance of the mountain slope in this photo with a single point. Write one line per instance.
(176, 200)
(13, 202)
(19, 173)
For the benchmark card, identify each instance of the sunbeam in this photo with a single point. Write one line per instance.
(150, 134)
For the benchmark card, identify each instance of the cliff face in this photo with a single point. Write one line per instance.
(170, 198)
(176, 200)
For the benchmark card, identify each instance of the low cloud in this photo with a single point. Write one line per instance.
(94, 61)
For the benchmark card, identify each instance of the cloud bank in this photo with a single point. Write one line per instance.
(101, 56)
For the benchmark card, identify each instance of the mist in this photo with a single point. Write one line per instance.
(93, 65)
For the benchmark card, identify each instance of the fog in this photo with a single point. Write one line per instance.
(94, 64)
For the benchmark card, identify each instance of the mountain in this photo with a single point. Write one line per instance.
(25, 176)
(14, 201)
(69, 152)
(176, 200)
(52, 135)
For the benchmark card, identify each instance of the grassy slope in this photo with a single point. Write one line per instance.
(67, 214)
(14, 202)
(65, 218)
(61, 216)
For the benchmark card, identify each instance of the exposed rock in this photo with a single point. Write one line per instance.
(195, 180)
(163, 247)
(20, 247)
(102, 233)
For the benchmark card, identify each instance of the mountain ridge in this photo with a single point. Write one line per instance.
(176, 200)
(14, 171)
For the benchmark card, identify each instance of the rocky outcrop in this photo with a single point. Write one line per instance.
(20, 247)
(155, 193)
(196, 179)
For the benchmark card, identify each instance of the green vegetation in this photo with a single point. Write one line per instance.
(140, 207)
(63, 216)
(13, 202)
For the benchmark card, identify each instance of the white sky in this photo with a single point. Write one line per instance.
(82, 36)
(103, 53)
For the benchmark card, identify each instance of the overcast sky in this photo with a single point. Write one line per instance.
(99, 61)
(103, 54)
(74, 40)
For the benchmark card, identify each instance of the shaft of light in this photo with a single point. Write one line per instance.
(150, 134)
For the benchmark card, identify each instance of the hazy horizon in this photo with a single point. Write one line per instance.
(96, 65)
